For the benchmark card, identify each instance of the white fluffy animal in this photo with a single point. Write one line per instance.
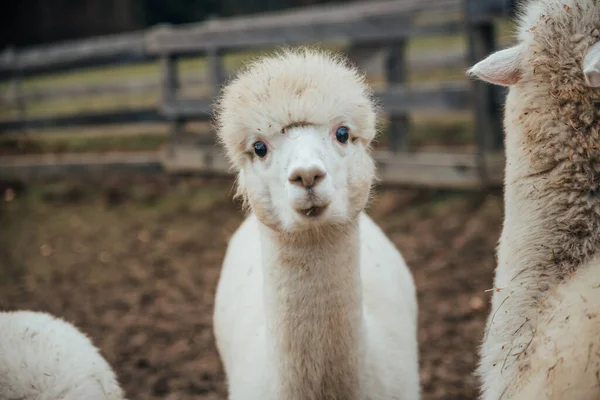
(543, 335)
(314, 301)
(46, 358)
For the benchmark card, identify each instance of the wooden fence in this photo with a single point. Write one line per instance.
(370, 28)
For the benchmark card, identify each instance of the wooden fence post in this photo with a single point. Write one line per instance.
(397, 74)
(487, 107)
(216, 76)
(215, 70)
(170, 88)
(20, 101)
(16, 87)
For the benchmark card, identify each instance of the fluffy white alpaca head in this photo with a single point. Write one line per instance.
(560, 36)
(297, 127)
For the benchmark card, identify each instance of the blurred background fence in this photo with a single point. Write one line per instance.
(142, 100)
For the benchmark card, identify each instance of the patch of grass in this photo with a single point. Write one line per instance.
(437, 75)
(442, 42)
(449, 130)
(74, 105)
(444, 133)
(113, 73)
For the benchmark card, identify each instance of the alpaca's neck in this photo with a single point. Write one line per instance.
(551, 227)
(526, 267)
(549, 231)
(552, 206)
(314, 312)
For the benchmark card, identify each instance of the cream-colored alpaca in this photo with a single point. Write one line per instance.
(46, 358)
(314, 302)
(543, 336)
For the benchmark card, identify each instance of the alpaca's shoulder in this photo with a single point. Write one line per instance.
(390, 311)
(383, 269)
(245, 240)
(374, 240)
(241, 273)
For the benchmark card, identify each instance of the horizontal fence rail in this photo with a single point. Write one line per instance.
(421, 62)
(375, 33)
(368, 21)
(113, 49)
(421, 169)
(394, 99)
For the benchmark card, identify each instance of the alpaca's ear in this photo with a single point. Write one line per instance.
(501, 68)
(591, 66)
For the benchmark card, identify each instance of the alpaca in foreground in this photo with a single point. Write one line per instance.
(543, 336)
(314, 302)
(46, 358)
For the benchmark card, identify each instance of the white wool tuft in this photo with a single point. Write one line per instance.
(294, 86)
(45, 358)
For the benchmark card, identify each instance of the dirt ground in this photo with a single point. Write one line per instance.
(134, 263)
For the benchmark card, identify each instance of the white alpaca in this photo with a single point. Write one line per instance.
(314, 302)
(46, 358)
(543, 335)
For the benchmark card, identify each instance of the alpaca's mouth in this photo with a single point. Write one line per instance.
(312, 212)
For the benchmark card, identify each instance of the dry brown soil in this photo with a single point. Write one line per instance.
(134, 262)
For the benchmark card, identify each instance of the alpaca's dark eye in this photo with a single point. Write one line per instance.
(260, 148)
(342, 134)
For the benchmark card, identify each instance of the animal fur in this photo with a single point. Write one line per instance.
(310, 309)
(46, 358)
(542, 339)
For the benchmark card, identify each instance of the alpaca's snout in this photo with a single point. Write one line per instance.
(310, 189)
(307, 177)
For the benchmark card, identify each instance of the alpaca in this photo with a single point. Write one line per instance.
(542, 338)
(46, 358)
(314, 301)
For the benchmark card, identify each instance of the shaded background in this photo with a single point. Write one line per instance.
(30, 22)
(133, 257)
